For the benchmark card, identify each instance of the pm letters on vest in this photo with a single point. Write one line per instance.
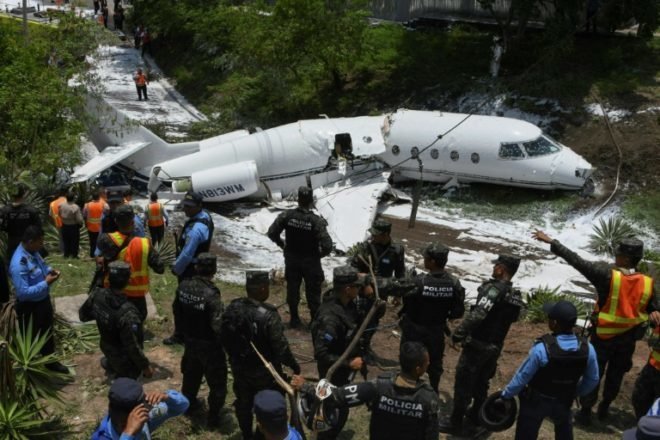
(401, 407)
(438, 291)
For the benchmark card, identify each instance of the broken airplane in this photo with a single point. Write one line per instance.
(438, 147)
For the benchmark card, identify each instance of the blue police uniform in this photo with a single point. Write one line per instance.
(195, 233)
(535, 405)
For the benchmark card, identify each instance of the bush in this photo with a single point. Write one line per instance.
(605, 238)
(544, 294)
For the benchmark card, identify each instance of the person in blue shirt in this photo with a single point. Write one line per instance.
(134, 414)
(195, 238)
(270, 412)
(560, 366)
(32, 278)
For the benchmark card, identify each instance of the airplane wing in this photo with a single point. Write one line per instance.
(350, 206)
(108, 157)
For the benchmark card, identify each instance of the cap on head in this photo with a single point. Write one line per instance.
(124, 213)
(509, 261)
(380, 227)
(630, 247)
(256, 278)
(270, 411)
(305, 196)
(192, 199)
(648, 428)
(561, 311)
(437, 252)
(125, 394)
(207, 260)
(119, 273)
(345, 275)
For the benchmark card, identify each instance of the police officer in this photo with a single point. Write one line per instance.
(626, 299)
(560, 366)
(307, 241)
(272, 420)
(647, 385)
(115, 198)
(332, 332)
(428, 302)
(15, 218)
(252, 320)
(120, 325)
(403, 405)
(201, 320)
(196, 236)
(482, 334)
(32, 279)
(388, 261)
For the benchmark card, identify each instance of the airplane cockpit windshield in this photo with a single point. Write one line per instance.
(540, 147)
(510, 151)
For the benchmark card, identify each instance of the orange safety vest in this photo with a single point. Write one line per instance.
(140, 79)
(654, 358)
(94, 214)
(626, 303)
(55, 211)
(136, 254)
(155, 215)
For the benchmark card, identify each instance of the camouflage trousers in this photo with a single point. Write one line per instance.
(614, 361)
(647, 389)
(475, 368)
(204, 359)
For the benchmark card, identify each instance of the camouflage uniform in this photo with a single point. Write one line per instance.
(615, 354)
(120, 326)
(204, 356)
(483, 331)
(267, 333)
(307, 241)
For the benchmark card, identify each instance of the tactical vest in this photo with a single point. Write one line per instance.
(386, 258)
(559, 378)
(107, 311)
(431, 305)
(204, 246)
(399, 413)
(251, 328)
(194, 294)
(494, 328)
(155, 215)
(94, 216)
(301, 237)
(625, 306)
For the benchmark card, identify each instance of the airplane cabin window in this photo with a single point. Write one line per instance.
(510, 151)
(435, 153)
(540, 147)
(474, 158)
(396, 150)
(414, 152)
(454, 155)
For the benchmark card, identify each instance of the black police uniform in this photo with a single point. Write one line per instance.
(552, 389)
(14, 219)
(120, 327)
(263, 327)
(201, 321)
(615, 354)
(399, 410)
(483, 330)
(307, 241)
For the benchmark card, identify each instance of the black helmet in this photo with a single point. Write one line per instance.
(119, 274)
(498, 415)
(319, 415)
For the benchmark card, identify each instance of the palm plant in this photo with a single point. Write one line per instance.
(18, 421)
(608, 235)
(72, 339)
(8, 320)
(544, 294)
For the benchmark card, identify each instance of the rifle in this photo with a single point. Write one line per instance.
(97, 279)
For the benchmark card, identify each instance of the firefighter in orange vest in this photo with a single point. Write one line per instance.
(141, 82)
(155, 217)
(136, 251)
(626, 301)
(54, 213)
(647, 386)
(93, 213)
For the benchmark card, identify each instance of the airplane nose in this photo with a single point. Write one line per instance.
(571, 170)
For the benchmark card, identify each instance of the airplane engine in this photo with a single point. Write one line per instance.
(224, 183)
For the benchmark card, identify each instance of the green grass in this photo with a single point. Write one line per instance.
(643, 207)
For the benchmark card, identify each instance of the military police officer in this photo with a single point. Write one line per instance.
(196, 236)
(201, 320)
(15, 218)
(332, 332)
(430, 300)
(307, 241)
(249, 321)
(482, 334)
(626, 300)
(119, 323)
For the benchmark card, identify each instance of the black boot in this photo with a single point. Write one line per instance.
(603, 411)
(583, 416)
